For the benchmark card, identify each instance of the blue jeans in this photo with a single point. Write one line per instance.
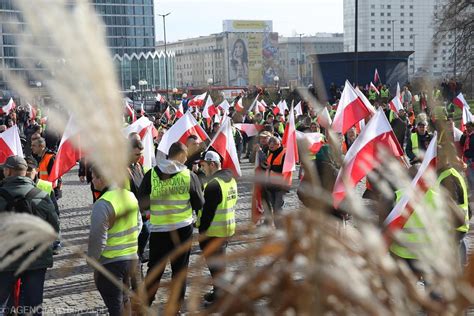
(31, 291)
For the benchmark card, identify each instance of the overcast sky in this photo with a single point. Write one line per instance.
(192, 18)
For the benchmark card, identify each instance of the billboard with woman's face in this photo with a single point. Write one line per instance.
(238, 61)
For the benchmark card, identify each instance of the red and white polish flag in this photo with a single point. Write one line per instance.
(400, 214)
(198, 100)
(10, 144)
(6, 109)
(223, 143)
(160, 98)
(249, 129)
(69, 151)
(280, 108)
(209, 109)
(224, 106)
(180, 131)
(374, 88)
(238, 105)
(364, 99)
(167, 113)
(396, 103)
(363, 156)
(467, 117)
(291, 146)
(350, 111)
(139, 126)
(315, 140)
(460, 101)
(376, 76)
(128, 108)
(148, 149)
(180, 111)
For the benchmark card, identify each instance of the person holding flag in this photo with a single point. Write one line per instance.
(417, 141)
(216, 220)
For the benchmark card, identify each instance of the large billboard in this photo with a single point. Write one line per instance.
(253, 58)
(247, 26)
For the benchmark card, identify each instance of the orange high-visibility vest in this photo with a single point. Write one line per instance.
(278, 161)
(43, 167)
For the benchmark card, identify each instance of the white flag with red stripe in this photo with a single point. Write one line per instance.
(363, 156)
(198, 100)
(10, 144)
(460, 101)
(299, 109)
(376, 76)
(374, 88)
(209, 109)
(315, 140)
(402, 210)
(396, 103)
(167, 113)
(224, 144)
(6, 109)
(224, 106)
(180, 131)
(239, 106)
(280, 108)
(249, 129)
(69, 151)
(364, 99)
(180, 111)
(467, 117)
(148, 149)
(324, 119)
(128, 109)
(291, 146)
(139, 126)
(350, 111)
(160, 98)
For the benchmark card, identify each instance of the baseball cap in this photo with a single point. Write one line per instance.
(15, 162)
(212, 156)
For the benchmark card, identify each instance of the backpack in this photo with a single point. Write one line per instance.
(20, 204)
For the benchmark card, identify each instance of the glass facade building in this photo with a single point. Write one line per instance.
(130, 25)
(129, 30)
(146, 66)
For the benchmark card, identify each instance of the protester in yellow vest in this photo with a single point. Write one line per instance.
(113, 241)
(451, 180)
(418, 141)
(216, 220)
(170, 191)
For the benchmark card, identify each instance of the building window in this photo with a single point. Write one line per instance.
(372, 37)
(402, 44)
(382, 21)
(372, 14)
(411, 7)
(382, 6)
(411, 13)
(411, 21)
(402, 22)
(372, 6)
(402, 14)
(372, 29)
(382, 14)
(402, 29)
(382, 29)
(389, 44)
(402, 7)
(382, 44)
(411, 44)
(389, 36)
(389, 29)
(372, 21)
(411, 29)
(389, 14)
(382, 37)
(402, 36)
(372, 45)
(389, 6)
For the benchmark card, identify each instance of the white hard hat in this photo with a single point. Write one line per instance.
(212, 156)
(185, 95)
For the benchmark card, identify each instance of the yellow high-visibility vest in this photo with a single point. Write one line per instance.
(223, 223)
(122, 237)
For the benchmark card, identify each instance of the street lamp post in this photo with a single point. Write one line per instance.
(133, 89)
(38, 85)
(166, 55)
(142, 84)
(300, 62)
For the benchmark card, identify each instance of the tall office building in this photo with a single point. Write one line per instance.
(400, 25)
(130, 35)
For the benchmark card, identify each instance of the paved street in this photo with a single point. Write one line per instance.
(70, 286)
